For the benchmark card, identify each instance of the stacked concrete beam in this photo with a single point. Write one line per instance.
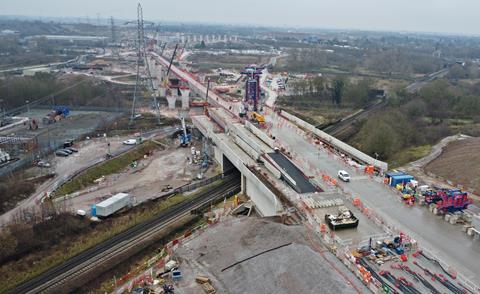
(260, 134)
(266, 202)
(201, 122)
(245, 147)
(218, 115)
(343, 147)
(239, 131)
(272, 169)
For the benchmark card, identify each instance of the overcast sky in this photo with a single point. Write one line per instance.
(446, 16)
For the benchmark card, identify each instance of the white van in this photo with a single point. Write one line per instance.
(344, 176)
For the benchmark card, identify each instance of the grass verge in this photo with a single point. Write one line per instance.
(111, 166)
(147, 121)
(408, 155)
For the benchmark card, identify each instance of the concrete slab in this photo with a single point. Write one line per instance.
(365, 229)
(296, 268)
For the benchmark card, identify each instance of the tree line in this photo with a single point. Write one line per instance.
(440, 109)
(15, 91)
(337, 91)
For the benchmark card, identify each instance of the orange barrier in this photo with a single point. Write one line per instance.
(323, 228)
(357, 201)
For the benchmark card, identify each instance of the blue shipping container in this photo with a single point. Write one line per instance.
(94, 210)
(400, 179)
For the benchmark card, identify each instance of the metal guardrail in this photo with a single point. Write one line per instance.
(88, 108)
(193, 186)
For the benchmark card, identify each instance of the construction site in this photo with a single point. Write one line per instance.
(197, 181)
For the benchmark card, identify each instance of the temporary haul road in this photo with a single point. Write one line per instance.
(103, 256)
(447, 242)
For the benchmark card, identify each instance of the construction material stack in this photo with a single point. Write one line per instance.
(206, 284)
(344, 220)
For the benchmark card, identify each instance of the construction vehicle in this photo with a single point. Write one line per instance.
(444, 201)
(185, 138)
(257, 118)
(58, 113)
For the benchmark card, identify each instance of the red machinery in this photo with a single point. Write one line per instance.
(448, 200)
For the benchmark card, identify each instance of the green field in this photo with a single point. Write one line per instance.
(109, 167)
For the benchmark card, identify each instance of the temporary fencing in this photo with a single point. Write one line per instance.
(157, 263)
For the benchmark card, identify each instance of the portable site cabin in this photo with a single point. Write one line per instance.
(112, 204)
(395, 178)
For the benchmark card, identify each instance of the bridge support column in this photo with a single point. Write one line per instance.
(244, 185)
(171, 101)
(185, 98)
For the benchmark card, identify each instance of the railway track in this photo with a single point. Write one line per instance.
(344, 128)
(96, 257)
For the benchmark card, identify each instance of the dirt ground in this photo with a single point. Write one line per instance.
(167, 167)
(294, 268)
(89, 152)
(459, 162)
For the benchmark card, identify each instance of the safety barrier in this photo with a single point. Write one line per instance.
(332, 141)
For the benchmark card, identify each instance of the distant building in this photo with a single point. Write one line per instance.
(377, 93)
(8, 32)
(69, 39)
(33, 71)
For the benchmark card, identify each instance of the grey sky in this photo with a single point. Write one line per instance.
(449, 16)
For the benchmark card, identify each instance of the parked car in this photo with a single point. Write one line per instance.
(62, 153)
(74, 150)
(344, 176)
(67, 151)
(68, 143)
(42, 163)
(130, 142)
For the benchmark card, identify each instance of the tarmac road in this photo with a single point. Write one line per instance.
(447, 241)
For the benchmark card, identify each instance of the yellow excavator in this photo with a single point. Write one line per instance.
(257, 118)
